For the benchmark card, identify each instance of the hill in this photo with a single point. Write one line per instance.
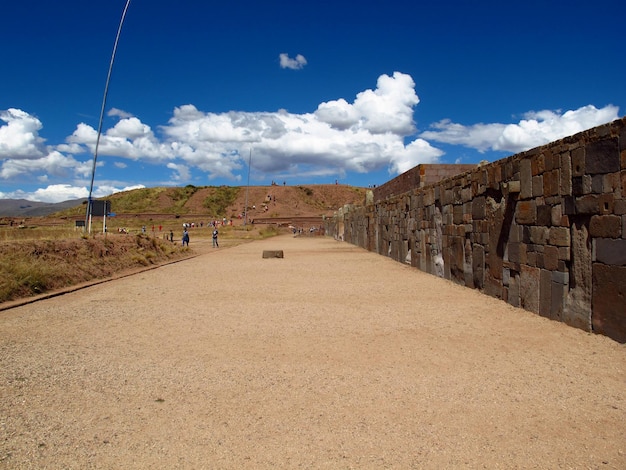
(24, 208)
(309, 201)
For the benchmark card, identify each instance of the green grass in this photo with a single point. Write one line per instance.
(220, 199)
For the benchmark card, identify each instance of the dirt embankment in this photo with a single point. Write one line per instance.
(33, 267)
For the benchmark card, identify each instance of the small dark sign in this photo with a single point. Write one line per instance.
(100, 208)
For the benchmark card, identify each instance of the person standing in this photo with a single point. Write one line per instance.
(215, 243)
(185, 238)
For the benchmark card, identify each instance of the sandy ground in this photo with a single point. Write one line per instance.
(332, 357)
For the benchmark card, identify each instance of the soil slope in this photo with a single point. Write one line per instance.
(286, 201)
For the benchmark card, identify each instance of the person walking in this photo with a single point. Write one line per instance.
(185, 237)
(215, 243)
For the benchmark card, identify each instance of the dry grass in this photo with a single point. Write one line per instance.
(37, 259)
(35, 266)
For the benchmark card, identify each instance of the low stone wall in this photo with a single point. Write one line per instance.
(544, 230)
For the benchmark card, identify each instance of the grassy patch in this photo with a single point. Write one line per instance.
(219, 199)
(36, 266)
(269, 231)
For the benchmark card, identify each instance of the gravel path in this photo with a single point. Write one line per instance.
(332, 357)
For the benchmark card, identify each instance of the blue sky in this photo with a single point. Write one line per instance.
(316, 92)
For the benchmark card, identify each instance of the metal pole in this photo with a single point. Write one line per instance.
(245, 212)
(104, 100)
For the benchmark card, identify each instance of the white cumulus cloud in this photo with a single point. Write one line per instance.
(19, 137)
(373, 131)
(536, 129)
(296, 63)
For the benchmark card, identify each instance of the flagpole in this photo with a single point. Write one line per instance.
(104, 100)
(245, 211)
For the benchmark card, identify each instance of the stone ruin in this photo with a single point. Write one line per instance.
(544, 230)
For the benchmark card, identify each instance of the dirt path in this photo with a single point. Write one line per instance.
(332, 357)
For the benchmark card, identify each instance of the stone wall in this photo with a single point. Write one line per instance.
(418, 177)
(544, 230)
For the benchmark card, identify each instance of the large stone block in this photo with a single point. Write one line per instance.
(537, 186)
(610, 251)
(597, 184)
(551, 180)
(551, 258)
(526, 186)
(609, 294)
(530, 280)
(595, 204)
(526, 213)
(559, 236)
(513, 292)
(479, 208)
(578, 161)
(605, 226)
(273, 254)
(558, 298)
(545, 294)
(544, 215)
(478, 265)
(602, 156)
(457, 214)
(539, 235)
(538, 163)
(457, 260)
(565, 188)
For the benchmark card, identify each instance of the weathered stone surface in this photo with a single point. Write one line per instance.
(605, 226)
(529, 288)
(556, 215)
(457, 214)
(538, 163)
(589, 204)
(595, 204)
(610, 251)
(513, 292)
(544, 215)
(545, 294)
(551, 258)
(578, 161)
(526, 185)
(273, 254)
(478, 266)
(539, 235)
(512, 252)
(457, 260)
(559, 236)
(558, 296)
(577, 186)
(565, 185)
(597, 184)
(551, 182)
(479, 208)
(526, 213)
(602, 156)
(609, 294)
(537, 186)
